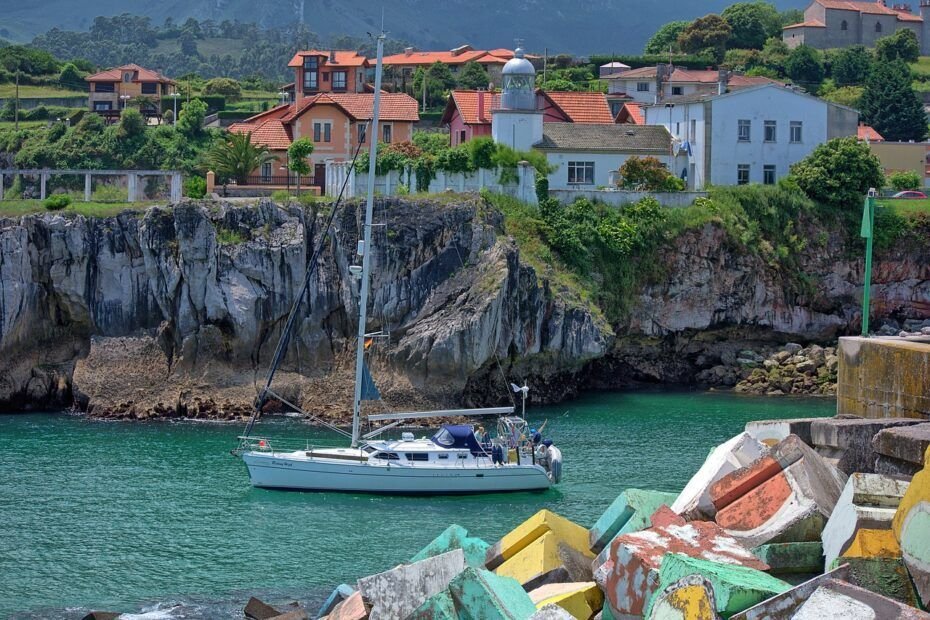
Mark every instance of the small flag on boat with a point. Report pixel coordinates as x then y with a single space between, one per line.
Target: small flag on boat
369 389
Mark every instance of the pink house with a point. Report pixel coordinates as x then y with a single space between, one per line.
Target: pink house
468 112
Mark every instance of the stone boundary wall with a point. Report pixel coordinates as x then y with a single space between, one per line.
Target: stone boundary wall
884 377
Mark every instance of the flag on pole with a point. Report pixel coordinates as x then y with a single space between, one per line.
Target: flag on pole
866 231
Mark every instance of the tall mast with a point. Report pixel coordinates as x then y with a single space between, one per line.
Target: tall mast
366 247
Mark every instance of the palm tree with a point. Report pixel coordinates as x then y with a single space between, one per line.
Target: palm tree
236 157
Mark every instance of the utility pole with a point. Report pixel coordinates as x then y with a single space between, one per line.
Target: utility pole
868 226
16 106
545 62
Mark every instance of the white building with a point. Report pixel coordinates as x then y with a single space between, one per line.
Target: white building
751 135
652 84
588 156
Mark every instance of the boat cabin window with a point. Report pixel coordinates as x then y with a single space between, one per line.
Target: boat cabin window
417 456
442 456
387 456
444 437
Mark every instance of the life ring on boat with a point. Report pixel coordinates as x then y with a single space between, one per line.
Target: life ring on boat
555 464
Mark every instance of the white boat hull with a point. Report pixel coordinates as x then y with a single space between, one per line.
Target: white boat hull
284 471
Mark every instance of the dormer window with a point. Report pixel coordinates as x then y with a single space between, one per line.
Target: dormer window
127 76
311 62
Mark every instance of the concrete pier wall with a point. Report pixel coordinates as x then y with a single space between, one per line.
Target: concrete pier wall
884 377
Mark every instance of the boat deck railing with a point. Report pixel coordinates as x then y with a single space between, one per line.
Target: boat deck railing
273 445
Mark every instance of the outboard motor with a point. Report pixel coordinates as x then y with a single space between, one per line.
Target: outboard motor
555 464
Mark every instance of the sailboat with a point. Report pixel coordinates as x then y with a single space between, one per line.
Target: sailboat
458 458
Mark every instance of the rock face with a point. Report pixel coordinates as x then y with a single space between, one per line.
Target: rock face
195 297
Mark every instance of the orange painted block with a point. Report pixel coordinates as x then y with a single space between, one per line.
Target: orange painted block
736 484
758 506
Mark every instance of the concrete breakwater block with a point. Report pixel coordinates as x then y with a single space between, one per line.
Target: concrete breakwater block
885 576
437 607
456 537
689 598
735 587
398 592
630 576
694 501
630 512
791 558
842 600
868 502
785 604
873 544
553 612
900 450
257 609
911 526
580 600
524 534
770 432
846 443
339 594
883 378
353 608
539 563
481 595
786 496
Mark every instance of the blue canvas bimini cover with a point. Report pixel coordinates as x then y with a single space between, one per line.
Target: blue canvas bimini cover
460 436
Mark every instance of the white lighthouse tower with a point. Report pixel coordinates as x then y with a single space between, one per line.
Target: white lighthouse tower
518 123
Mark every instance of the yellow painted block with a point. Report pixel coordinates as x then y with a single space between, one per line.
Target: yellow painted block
873 544
582 600
536 563
690 602
918 491
530 530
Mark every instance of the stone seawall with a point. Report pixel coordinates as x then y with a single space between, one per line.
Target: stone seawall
884 377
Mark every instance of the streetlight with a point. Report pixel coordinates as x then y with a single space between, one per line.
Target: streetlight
175 96
283 96
123 100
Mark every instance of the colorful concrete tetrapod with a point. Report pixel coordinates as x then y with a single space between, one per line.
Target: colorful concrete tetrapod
581 600
437 607
791 558
341 593
397 592
846 443
911 527
537 564
844 601
353 608
786 496
481 595
868 502
456 537
630 576
900 450
885 576
694 501
521 536
630 512
735 587
689 598
782 606
552 612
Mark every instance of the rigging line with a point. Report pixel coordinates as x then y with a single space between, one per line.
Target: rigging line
309 415
311 268
497 359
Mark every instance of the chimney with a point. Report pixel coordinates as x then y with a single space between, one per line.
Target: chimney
408 51
662 72
481 105
332 57
723 80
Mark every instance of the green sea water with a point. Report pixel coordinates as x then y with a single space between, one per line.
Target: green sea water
160 518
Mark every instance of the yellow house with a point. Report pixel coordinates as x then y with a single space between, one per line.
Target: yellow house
112 90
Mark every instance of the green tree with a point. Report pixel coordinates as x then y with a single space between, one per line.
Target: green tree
902 45
790 16
708 33
298 158
237 157
131 123
71 77
752 23
904 180
438 82
839 173
666 37
774 55
742 60
191 116
851 65
805 67
648 173
846 95
890 105
227 87
473 76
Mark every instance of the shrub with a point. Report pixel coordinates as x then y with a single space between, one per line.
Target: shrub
15 191
195 187
648 173
307 199
542 187
839 173
227 87
110 193
281 197
57 202
904 180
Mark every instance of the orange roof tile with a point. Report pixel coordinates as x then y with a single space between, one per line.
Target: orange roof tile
811 23
346 58
428 58
868 134
466 101
869 8
116 75
695 76
394 106
581 107
631 112
271 133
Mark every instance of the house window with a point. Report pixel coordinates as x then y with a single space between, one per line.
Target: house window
326 76
677 128
266 172
878 26
103 105
768 174
581 172
386 134
692 136
796 132
770 131
339 80
743 128
149 88
676 90
105 87
327 132
462 136
362 132
642 87
322 132
844 25
742 174
311 73
127 77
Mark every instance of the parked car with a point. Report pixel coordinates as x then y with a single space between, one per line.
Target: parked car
910 194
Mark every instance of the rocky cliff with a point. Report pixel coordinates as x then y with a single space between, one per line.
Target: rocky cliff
176 311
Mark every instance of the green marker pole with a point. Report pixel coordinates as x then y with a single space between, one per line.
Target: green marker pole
868 224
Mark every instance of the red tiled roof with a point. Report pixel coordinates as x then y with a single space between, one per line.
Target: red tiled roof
466 101
868 134
428 58
116 75
345 58
869 8
695 76
581 107
632 113
271 133
811 23
394 106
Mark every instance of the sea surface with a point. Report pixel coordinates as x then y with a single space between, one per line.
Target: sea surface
158 519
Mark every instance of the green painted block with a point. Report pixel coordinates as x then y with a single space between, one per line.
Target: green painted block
437 607
606 614
630 512
455 537
793 557
886 576
481 595
735 587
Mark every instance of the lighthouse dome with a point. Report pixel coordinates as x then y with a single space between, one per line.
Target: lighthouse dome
519 83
